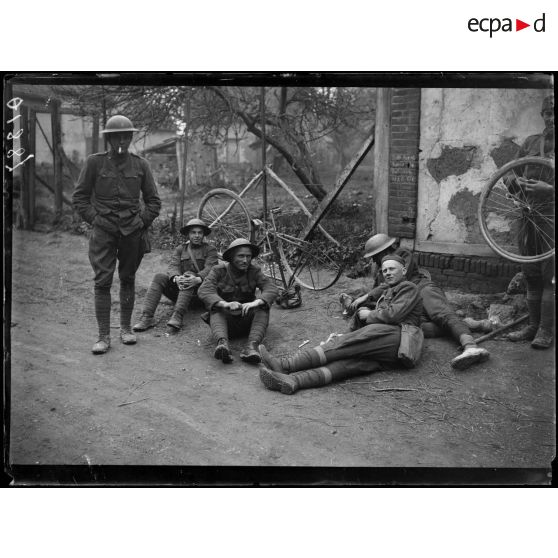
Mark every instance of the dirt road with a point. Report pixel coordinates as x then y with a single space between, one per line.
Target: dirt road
167 401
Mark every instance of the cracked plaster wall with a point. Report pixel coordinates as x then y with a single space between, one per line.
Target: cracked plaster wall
464 135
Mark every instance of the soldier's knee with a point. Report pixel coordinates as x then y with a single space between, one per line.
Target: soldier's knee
161 279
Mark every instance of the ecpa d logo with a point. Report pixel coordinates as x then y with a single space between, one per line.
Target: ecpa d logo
492 25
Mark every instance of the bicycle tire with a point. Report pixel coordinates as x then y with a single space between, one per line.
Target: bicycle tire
307 264
227 215
505 211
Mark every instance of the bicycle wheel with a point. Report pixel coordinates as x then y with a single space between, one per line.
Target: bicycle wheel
308 263
227 215
516 224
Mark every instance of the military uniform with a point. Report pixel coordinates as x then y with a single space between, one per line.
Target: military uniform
107 196
225 283
539 275
374 346
186 258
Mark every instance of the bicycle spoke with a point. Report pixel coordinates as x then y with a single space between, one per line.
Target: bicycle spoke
519 224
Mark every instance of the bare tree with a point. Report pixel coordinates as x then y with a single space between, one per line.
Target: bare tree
296 117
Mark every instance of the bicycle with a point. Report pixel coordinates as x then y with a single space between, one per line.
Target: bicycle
508 213
291 261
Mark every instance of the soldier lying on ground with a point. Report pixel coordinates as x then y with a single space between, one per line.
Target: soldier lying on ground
390 338
107 196
438 317
229 294
190 264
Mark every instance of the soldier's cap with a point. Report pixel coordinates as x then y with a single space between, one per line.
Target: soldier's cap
195 223
239 243
395 258
548 103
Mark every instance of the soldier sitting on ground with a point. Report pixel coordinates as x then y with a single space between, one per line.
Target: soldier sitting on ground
190 264
438 317
229 294
390 338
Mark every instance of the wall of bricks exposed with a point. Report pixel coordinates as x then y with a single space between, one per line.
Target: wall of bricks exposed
403 162
470 274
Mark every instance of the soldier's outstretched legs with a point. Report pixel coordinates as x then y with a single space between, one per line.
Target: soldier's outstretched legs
316 377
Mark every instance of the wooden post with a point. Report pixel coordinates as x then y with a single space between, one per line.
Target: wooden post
56 126
264 145
184 159
179 160
24 191
381 159
31 163
95 135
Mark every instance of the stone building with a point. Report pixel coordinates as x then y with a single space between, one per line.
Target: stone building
435 150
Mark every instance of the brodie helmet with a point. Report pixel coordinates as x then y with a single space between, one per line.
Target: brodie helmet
195 223
377 243
237 243
118 123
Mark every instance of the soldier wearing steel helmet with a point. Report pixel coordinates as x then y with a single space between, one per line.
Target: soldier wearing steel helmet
389 338
190 264
229 294
438 317
108 196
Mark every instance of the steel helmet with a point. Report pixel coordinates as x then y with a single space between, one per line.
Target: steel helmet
227 254
195 223
377 243
118 123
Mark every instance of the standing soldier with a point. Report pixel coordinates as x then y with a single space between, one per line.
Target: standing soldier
189 266
538 276
229 294
107 196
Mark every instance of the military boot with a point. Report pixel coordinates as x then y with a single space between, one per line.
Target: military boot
127 337
222 351
145 323
250 353
543 339
180 307
529 332
526 333
471 354
291 383
101 346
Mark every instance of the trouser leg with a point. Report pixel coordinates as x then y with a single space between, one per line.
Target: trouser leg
375 342
220 328
545 332
183 299
102 310
154 293
534 281
129 258
317 377
219 325
102 256
258 327
439 311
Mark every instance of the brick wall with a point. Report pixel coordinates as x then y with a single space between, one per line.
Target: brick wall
468 273
403 162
